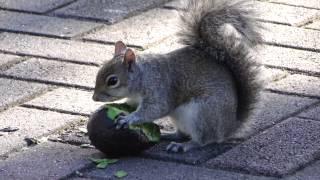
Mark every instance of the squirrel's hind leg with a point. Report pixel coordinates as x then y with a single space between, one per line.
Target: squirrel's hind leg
206 120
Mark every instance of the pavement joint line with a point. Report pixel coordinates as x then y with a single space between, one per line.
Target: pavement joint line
264 130
25 99
81 35
18 60
305 118
60 6
291 93
292 47
20 11
54 83
30 106
294 70
53 15
273 22
300 6
109 43
51 58
294 114
54 131
34 34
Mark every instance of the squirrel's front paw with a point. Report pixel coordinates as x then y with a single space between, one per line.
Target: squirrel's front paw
175 147
123 122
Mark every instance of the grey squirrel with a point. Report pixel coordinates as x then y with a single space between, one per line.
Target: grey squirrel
208 88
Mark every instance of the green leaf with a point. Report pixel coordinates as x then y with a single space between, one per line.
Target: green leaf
111 161
102 165
121 174
97 161
151 130
113 112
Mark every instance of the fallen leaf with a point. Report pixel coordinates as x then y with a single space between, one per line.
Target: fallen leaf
121 174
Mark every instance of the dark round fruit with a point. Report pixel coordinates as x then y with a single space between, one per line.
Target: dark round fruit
113 142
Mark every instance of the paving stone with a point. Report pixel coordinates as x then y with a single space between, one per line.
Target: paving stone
166 46
7 60
314 25
44 25
282 13
157 170
304 3
143 30
55 71
272 75
291 36
55 48
293 59
309 173
14 92
277 152
108 11
38 6
73 100
301 84
31 123
45 161
275 107
193 157
312 113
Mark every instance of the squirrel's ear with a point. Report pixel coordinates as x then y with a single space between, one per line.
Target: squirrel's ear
119 48
129 58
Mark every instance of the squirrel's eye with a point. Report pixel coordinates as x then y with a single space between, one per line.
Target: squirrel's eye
112 81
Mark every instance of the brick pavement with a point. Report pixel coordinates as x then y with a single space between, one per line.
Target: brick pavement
50 52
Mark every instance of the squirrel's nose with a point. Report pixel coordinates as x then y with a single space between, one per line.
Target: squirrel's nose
95 97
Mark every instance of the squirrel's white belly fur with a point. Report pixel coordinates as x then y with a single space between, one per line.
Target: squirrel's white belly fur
184 115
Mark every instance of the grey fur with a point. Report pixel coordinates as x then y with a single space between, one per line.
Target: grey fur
208 87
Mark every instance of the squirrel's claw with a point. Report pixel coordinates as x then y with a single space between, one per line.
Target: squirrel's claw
174 147
122 123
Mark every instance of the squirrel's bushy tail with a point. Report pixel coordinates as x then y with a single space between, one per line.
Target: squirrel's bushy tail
227 26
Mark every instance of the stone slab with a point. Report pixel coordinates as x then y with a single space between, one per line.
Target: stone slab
157 170
193 157
304 3
15 92
7 60
292 59
309 173
72 100
55 48
44 25
291 36
274 108
282 13
55 71
45 161
38 6
31 123
311 113
168 45
108 11
278 151
299 84
142 30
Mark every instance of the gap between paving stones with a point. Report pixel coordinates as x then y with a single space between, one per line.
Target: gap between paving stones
60 6
288 4
53 83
